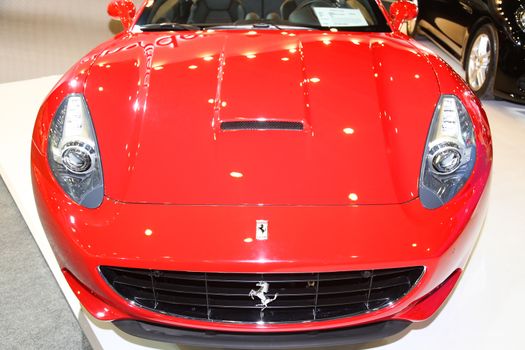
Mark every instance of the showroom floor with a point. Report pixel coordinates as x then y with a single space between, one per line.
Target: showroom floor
35 314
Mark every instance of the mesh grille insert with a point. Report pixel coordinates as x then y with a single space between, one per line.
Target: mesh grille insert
261 125
232 297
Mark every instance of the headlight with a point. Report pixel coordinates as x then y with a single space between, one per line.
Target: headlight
450 153
520 17
73 152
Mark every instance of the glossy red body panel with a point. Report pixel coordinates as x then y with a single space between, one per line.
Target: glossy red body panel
423 308
174 131
161 149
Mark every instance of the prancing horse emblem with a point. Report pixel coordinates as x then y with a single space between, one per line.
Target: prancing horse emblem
261 294
261 230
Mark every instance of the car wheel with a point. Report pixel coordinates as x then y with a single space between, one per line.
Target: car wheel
480 61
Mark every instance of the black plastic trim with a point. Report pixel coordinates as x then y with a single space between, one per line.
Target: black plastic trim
226 297
259 341
261 125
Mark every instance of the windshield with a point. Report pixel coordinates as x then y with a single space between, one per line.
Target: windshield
351 15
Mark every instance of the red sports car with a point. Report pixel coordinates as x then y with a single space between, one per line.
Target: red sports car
261 173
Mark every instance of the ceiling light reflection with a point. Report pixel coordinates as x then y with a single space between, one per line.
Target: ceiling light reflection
353 197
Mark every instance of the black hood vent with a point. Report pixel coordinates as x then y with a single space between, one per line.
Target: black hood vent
261 125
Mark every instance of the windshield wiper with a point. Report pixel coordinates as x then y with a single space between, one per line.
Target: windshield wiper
265 25
246 25
158 27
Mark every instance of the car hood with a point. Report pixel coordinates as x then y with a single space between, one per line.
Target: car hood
365 103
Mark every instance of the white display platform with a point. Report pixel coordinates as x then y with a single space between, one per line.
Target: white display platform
484 312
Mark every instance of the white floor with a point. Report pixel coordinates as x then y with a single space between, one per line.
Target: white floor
484 312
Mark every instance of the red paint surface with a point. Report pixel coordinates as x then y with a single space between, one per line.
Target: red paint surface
161 149
430 303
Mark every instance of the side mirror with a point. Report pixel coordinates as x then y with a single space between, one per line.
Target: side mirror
402 11
124 10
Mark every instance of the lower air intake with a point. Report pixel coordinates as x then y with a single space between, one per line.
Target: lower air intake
250 298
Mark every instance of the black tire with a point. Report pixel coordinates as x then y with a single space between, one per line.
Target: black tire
483 88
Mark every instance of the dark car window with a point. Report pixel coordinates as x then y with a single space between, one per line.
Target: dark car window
354 15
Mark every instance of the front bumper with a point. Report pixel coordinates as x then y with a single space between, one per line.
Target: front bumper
367 332
255 341
214 239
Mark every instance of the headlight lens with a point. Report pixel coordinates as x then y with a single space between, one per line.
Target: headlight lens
450 153
520 17
73 152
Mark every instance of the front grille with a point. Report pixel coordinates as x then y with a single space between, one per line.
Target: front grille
232 297
261 125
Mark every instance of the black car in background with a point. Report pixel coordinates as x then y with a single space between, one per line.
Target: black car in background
487 36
